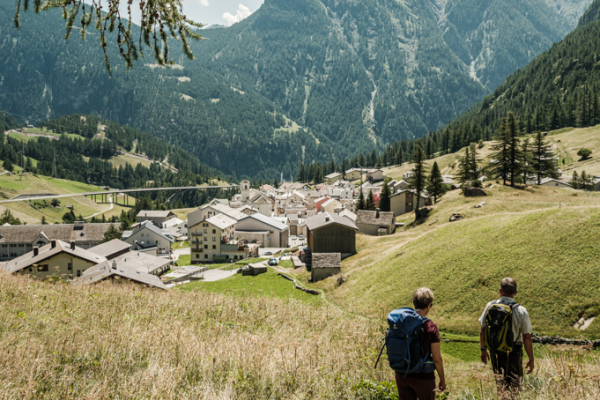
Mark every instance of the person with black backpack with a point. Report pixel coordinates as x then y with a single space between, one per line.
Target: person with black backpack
505 329
413 349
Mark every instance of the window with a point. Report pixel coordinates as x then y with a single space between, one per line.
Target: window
214 239
78 273
206 246
214 231
142 235
214 246
70 267
206 256
43 268
197 255
205 231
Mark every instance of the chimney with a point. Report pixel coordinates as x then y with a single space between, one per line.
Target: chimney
114 265
326 219
72 245
36 251
53 244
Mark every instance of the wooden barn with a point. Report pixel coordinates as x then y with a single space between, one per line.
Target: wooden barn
331 233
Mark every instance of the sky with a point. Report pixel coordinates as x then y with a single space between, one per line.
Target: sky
211 12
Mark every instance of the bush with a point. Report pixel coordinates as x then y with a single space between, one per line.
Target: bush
584 153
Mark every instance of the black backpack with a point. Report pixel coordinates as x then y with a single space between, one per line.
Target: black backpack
498 332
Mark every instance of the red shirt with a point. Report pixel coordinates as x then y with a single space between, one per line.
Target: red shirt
431 334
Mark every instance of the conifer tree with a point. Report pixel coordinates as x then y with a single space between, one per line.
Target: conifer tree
464 167
318 176
360 204
419 179
505 161
110 234
435 183
584 181
370 201
525 161
44 222
384 198
301 177
542 158
399 158
575 180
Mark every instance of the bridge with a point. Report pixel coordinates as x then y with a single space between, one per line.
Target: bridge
105 193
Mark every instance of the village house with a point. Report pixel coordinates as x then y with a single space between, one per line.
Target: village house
375 223
555 183
342 184
301 187
58 258
375 175
266 230
17 240
325 265
111 249
140 261
399 186
147 237
348 214
207 237
354 174
331 233
331 206
319 203
405 201
118 273
333 178
208 211
157 217
175 227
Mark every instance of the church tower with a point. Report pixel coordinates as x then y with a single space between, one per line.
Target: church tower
245 188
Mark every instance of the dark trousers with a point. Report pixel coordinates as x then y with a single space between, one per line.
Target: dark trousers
412 389
508 368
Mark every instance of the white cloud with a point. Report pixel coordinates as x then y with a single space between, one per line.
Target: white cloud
203 2
242 13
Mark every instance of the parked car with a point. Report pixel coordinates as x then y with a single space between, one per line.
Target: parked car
301 237
268 253
294 237
273 262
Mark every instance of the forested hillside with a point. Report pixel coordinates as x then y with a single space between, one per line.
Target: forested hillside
592 14
296 82
559 88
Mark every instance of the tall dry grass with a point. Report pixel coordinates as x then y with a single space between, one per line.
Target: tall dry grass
120 341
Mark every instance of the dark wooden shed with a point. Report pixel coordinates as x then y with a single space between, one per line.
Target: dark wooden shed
331 233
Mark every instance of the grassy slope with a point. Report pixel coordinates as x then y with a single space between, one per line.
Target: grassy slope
11 186
522 233
269 284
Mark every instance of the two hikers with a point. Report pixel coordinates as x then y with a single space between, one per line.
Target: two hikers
414 353
505 330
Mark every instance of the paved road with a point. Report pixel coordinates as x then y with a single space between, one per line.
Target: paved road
181 252
213 275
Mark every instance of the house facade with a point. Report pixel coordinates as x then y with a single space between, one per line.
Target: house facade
375 223
157 217
147 237
405 201
208 237
266 230
331 233
333 178
354 174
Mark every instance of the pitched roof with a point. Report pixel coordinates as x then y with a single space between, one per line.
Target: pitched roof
548 180
348 214
137 260
67 232
266 220
324 219
110 248
105 270
47 251
149 225
366 217
328 202
334 175
326 260
155 214
221 221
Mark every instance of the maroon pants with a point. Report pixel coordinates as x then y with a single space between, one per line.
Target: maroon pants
412 389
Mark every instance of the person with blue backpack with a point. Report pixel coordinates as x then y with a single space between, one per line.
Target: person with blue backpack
413 349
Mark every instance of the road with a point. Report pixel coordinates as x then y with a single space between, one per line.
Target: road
181 252
102 212
104 192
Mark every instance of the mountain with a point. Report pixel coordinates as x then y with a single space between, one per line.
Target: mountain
592 14
297 81
560 88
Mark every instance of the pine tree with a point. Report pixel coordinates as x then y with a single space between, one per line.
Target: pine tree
542 158
276 184
44 222
110 234
435 183
575 180
584 181
370 201
525 161
399 158
508 152
360 204
419 179
384 198
464 167
301 177
318 176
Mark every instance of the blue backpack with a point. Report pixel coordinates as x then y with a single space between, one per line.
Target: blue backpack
404 342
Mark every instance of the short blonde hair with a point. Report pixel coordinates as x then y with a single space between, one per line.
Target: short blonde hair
422 298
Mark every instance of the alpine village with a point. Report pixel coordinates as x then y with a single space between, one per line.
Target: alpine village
300 199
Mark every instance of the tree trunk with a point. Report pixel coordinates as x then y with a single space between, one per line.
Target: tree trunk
417 214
